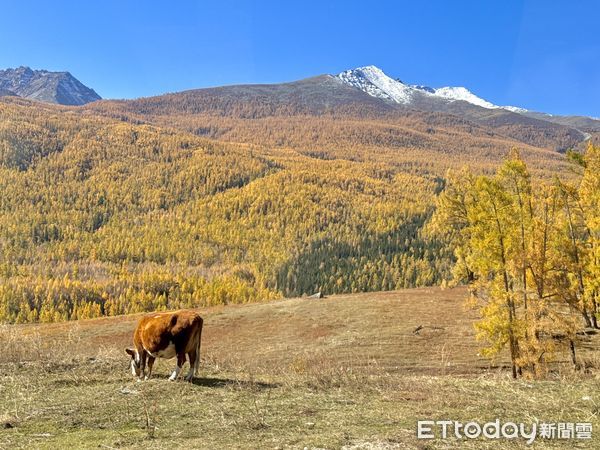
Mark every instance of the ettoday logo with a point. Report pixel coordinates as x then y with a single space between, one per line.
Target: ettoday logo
445 429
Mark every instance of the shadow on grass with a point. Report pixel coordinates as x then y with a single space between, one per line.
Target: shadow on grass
225 382
222 382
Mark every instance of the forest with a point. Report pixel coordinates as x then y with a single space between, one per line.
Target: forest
106 215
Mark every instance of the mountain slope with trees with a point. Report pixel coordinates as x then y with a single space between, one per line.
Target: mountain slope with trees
124 210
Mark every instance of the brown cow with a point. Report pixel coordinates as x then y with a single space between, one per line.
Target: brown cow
165 335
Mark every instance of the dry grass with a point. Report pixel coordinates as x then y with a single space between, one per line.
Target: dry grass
346 371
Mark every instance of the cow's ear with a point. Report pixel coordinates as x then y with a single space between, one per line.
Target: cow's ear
130 351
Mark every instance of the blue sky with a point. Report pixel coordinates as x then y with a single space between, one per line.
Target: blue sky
542 55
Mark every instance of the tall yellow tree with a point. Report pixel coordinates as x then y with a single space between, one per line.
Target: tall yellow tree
589 197
532 255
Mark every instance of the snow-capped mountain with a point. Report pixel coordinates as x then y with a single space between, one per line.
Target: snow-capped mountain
461 93
375 82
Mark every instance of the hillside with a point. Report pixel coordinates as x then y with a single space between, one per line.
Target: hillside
261 337
124 216
586 124
319 373
358 94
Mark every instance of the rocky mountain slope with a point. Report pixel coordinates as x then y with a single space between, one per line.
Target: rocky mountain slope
52 87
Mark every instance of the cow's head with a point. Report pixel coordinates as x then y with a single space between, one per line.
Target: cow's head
135 361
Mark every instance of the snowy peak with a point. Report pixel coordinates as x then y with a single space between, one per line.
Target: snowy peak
461 93
375 82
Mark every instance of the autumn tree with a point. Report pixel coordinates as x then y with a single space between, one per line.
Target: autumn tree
530 251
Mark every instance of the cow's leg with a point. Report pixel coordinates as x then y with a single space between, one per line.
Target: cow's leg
143 356
180 363
193 364
151 360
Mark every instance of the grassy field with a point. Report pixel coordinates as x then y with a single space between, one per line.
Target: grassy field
347 371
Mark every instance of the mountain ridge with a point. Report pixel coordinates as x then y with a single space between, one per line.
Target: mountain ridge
363 92
374 81
60 88
370 80
329 95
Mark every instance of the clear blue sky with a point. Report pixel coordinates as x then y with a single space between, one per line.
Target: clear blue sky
539 54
